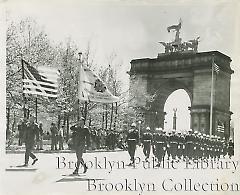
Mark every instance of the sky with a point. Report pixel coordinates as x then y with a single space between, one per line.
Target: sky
179 100
132 29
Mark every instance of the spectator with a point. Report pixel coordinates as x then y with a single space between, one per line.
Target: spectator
40 138
54 133
20 133
61 138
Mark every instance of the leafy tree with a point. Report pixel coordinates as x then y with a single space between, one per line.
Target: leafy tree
24 40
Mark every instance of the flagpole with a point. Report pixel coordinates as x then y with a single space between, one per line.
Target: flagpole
23 95
211 103
78 112
78 102
36 108
85 111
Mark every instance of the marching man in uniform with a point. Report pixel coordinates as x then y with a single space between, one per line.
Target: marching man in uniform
132 140
173 145
147 140
189 145
180 147
30 135
160 144
230 148
81 137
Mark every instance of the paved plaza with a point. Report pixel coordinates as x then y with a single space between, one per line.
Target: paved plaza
108 172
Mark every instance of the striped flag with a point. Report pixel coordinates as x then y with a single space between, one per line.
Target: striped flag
216 68
91 88
220 127
41 81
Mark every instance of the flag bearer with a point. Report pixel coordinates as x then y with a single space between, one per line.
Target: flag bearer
81 138
30 135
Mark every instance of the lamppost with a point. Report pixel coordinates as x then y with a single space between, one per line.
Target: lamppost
79 69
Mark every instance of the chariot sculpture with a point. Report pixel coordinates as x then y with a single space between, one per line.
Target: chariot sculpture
177 45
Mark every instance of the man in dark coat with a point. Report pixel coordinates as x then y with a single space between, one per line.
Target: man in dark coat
132 141
30 134
39 137
81 137
54 133
21 129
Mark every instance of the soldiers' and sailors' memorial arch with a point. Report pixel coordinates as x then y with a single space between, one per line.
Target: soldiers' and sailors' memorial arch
205 76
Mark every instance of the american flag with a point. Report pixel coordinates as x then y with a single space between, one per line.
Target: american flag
216 68
220 127
41 81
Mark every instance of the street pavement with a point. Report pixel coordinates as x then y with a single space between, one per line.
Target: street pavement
108 173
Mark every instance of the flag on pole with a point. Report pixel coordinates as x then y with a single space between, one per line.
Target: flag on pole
220 127
216 68
91 88
41 81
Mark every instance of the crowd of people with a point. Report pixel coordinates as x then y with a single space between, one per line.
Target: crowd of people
178 145
173 145
58 140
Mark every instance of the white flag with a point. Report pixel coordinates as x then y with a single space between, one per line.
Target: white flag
91 88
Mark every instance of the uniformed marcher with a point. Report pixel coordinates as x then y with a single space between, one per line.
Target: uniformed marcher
184 153
181 146
212 148
216 147
225 147
189 145
173 145
81 138
199 151
195 145
208 150
132 141
147 141
29 137
219 147
160 145
168 149
230 148
204 146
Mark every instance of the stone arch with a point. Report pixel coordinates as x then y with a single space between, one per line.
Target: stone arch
179 99
156 115
189 71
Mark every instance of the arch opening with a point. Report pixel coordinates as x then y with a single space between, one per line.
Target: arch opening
178 102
